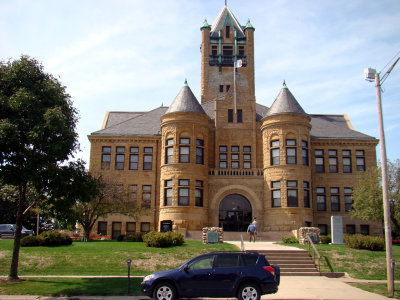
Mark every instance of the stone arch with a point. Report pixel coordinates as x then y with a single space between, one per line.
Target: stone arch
214 203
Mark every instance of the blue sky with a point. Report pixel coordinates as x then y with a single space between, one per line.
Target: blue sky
135 55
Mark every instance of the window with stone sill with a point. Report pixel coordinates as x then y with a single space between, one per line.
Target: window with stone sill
183 192
321 199
360 160
346 159
319 161
292 195
275 152
276 193
335 199
105 157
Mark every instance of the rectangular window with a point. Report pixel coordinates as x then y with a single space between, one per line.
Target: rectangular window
304 152
214 50
360 160
228 87
227 31
333 161
199 193
319 161
348 199
130 227
276 193
321 199
241 50
183 191
102 228
239 116
167 192
199 152
247 157
105 157
145 227
235 160
291 156
148 158
230 115
323 229
221 88
335 199
169 151
275 153
116 230
292 199
235 148
120 158
346 154
227 50
306 193
184 154
351 229
223 157
146 196
133 161
132 193
364 229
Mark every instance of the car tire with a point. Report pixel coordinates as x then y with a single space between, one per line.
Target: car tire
249 291
164 291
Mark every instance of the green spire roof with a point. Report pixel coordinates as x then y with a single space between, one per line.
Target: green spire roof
205 25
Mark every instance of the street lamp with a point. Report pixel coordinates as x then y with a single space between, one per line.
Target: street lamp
372 75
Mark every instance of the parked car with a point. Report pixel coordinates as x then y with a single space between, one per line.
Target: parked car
7 231
245 275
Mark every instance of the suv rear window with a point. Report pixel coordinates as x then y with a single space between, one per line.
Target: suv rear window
249 260
227 261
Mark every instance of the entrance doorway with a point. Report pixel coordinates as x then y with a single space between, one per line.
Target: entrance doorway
235 213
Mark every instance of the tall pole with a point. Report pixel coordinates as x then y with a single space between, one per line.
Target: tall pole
386 206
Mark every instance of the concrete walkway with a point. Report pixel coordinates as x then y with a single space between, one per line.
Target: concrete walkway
291 287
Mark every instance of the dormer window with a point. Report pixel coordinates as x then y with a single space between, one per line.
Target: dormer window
228 31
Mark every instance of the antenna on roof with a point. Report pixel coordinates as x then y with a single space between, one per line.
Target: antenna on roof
226 2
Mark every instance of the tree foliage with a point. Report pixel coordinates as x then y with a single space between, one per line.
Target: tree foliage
37 135
368 199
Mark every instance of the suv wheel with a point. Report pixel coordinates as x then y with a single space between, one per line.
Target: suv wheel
164 291
249 291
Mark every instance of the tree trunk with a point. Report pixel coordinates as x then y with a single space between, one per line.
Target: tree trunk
17 234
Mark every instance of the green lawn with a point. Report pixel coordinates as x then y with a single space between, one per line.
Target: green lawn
101 258
362 264
71 287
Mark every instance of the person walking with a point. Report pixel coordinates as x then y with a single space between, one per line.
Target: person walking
255 225
252 230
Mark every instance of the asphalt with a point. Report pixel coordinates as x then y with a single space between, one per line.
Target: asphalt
291 287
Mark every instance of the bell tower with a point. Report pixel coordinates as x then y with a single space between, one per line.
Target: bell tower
223 43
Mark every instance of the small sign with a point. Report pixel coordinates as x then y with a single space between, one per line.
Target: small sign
212 237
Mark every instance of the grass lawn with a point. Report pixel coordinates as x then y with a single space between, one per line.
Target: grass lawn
101 258
379 288
71 287
362 264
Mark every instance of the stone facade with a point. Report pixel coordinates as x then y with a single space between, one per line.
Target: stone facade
223 160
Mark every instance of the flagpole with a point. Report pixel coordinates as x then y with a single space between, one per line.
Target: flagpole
234 82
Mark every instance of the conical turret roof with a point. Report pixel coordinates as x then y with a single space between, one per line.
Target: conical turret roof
185 101
226 18
285 102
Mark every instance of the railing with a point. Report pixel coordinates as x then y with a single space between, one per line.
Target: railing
315 254
226 60
233 172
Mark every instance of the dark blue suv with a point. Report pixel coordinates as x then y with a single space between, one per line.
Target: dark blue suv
245 275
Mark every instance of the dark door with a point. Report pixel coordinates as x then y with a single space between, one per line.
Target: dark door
116 230
235 213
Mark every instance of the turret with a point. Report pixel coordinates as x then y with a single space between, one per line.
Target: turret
184 163
287 172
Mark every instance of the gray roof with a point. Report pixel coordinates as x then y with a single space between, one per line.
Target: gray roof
334 127
226 18
146 124
285 102
185 101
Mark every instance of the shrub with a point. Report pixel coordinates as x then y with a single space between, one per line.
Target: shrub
358 241
29 241
325 239
163 239
290 240
134 237
54 238
121 238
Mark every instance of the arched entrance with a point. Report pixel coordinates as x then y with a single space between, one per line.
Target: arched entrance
234 213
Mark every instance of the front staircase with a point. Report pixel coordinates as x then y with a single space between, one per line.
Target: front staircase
292 262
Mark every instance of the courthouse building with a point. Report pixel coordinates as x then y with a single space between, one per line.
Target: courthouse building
223 159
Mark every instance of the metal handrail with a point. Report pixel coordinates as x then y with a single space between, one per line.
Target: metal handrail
315 251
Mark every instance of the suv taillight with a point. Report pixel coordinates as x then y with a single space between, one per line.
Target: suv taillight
270 269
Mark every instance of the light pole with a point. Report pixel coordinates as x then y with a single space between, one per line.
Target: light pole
372 75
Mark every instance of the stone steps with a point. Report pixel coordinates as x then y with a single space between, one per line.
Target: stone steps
292 262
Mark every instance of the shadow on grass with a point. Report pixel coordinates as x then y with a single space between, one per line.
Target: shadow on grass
72 287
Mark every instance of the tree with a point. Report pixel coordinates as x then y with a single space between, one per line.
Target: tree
37 135
368 199
103 199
